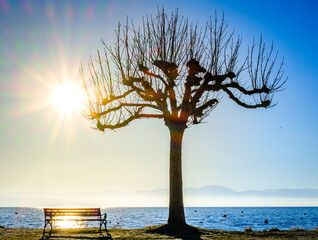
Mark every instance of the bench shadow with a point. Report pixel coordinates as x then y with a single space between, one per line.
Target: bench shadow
102 237
183 232
73 237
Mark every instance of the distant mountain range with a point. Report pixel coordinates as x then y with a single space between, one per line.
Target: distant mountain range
207 195
228 192
220 191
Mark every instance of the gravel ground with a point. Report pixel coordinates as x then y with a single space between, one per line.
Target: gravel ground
155 232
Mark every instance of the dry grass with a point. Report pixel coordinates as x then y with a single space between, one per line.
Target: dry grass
155 232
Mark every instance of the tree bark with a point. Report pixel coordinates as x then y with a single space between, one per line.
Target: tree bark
176 209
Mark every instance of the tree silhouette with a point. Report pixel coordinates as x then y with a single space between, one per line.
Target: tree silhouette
173 70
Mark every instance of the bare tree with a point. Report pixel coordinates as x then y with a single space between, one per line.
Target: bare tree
173 70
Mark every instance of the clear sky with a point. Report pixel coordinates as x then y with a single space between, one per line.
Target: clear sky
44 149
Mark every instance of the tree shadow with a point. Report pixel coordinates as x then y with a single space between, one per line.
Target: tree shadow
183 232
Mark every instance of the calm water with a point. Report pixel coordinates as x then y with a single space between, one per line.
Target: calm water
238 218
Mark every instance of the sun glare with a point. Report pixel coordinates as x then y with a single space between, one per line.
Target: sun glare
68 224
67 97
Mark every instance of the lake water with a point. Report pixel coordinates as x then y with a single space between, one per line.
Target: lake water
237 218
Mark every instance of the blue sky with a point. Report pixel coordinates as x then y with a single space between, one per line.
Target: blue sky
42 44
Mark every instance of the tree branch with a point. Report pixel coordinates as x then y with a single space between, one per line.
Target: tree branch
236 85
145 70
150 116
198 112
263 104
113 98
95 115
102 127
208 78
124 123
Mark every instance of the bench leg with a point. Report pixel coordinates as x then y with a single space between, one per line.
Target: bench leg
105 227
105 224
46 223
44 230
51 228
101 224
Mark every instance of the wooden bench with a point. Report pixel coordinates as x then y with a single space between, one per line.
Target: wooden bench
52 215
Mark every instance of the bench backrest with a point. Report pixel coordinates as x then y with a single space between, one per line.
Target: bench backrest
59 213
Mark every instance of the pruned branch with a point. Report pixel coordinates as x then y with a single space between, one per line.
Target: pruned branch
171 69
263 104
237 86
112 98
95 115
124 123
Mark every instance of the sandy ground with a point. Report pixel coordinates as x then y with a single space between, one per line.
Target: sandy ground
155 232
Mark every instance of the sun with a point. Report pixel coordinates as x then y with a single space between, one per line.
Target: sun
67 97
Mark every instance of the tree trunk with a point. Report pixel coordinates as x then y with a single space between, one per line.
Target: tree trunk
176 210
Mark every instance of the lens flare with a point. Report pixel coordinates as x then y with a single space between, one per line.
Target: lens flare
39 65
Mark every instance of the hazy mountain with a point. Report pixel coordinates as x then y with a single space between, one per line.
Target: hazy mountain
202 196
210 191
294 193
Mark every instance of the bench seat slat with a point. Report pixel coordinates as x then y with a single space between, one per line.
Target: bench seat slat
85 212
71 211
75 220
75 209
73 214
